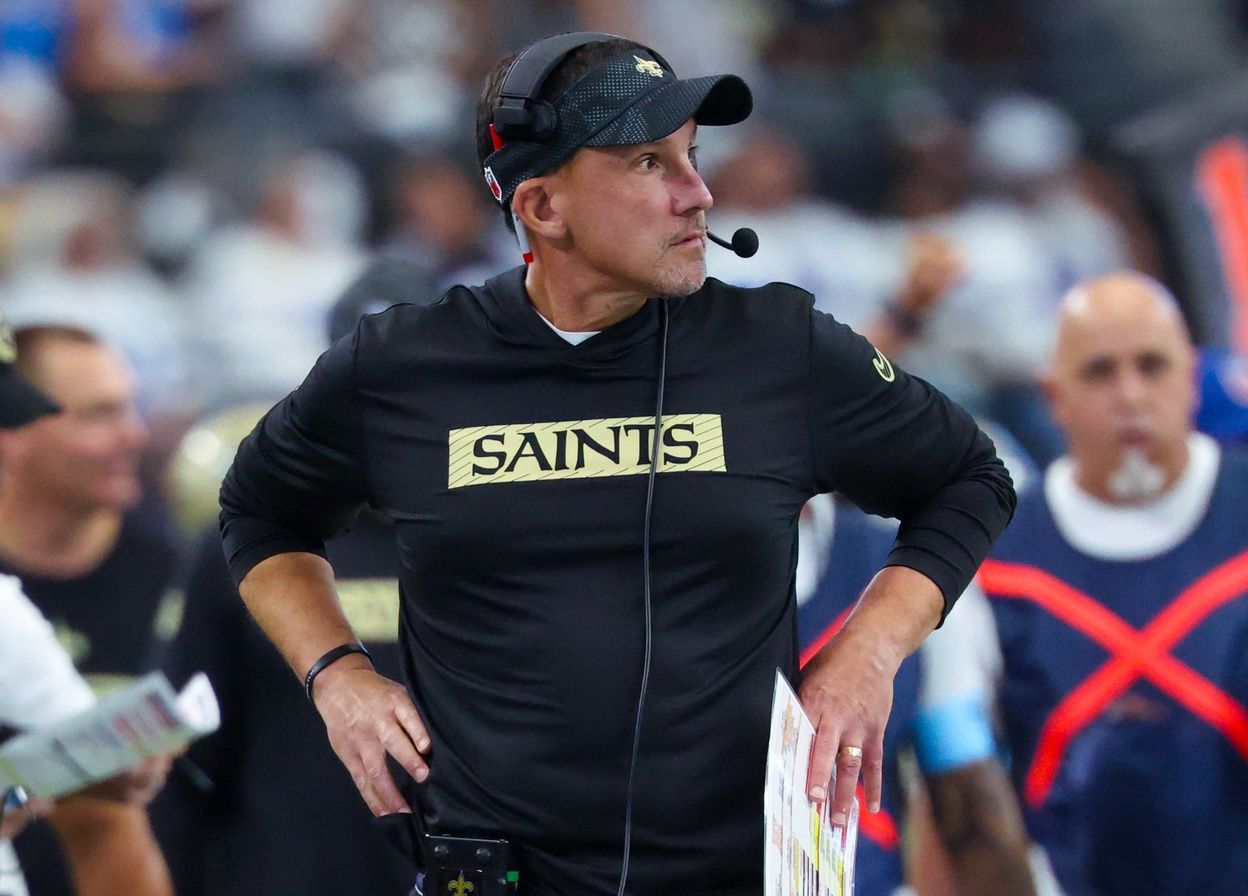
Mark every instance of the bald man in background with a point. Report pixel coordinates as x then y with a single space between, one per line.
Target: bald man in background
1119 598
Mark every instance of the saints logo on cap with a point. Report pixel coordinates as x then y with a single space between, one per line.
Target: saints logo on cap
8 348
649 67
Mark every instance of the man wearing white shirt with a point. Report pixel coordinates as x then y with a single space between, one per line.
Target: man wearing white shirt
38 685
1120 601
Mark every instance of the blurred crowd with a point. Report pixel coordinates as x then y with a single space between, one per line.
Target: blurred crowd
199 182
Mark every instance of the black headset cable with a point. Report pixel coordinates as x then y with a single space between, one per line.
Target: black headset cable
646 590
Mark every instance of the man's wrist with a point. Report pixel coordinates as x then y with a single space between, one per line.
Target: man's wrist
897 611
344 656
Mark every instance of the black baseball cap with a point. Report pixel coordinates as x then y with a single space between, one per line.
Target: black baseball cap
20 402
630 99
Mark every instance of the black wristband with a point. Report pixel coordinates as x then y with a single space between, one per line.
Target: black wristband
330 656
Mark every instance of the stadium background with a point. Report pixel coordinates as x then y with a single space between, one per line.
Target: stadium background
200 180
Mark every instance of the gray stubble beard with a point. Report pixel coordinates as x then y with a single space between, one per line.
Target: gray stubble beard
679 284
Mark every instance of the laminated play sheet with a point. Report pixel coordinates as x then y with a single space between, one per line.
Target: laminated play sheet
804 855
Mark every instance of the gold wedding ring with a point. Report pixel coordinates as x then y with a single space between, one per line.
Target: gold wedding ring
850 752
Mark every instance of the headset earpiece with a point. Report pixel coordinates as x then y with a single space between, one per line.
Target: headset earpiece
520 119
520 115
545 123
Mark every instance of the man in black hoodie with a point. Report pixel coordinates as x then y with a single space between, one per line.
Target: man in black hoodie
595 464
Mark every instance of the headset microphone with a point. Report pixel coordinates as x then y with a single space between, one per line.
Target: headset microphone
744 242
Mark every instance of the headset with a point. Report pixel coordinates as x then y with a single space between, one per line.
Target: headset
521 115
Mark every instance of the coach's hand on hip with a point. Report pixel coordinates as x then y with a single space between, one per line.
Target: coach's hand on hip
292 597
847 688
367 717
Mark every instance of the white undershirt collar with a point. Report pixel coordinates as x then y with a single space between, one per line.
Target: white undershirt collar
1139 531
573 336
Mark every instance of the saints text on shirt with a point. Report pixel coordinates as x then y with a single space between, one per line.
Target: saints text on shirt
580 449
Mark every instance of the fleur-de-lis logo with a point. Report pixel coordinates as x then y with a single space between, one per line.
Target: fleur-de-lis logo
461 887
649 67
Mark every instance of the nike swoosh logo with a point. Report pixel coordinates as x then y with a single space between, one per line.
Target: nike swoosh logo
883 367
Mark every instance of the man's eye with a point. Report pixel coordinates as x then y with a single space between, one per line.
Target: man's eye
648 162
693 157
1154 364
1097 370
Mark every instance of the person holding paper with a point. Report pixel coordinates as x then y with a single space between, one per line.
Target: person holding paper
596 464
103 831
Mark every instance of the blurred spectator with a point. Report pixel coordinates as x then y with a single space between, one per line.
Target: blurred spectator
94 562
444 222
173 215
1027 150
1104 60
279 37
76 265
117 48
1120 599
813 94
869 276
391 278
260 292
38 686
33 110
987 341
73 524
284 88
398 51
131 68
32 115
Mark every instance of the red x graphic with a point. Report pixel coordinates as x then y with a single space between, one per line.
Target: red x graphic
1135 654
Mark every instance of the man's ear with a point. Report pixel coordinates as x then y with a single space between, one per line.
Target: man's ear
1192 360
1053 396
533 206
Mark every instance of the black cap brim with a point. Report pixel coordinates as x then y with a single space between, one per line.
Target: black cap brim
712 100
20 402
628 100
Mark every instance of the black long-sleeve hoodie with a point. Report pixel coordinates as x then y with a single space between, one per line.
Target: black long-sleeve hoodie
514 465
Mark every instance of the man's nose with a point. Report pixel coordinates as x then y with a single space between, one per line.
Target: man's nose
1132 389
134 433
691 193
